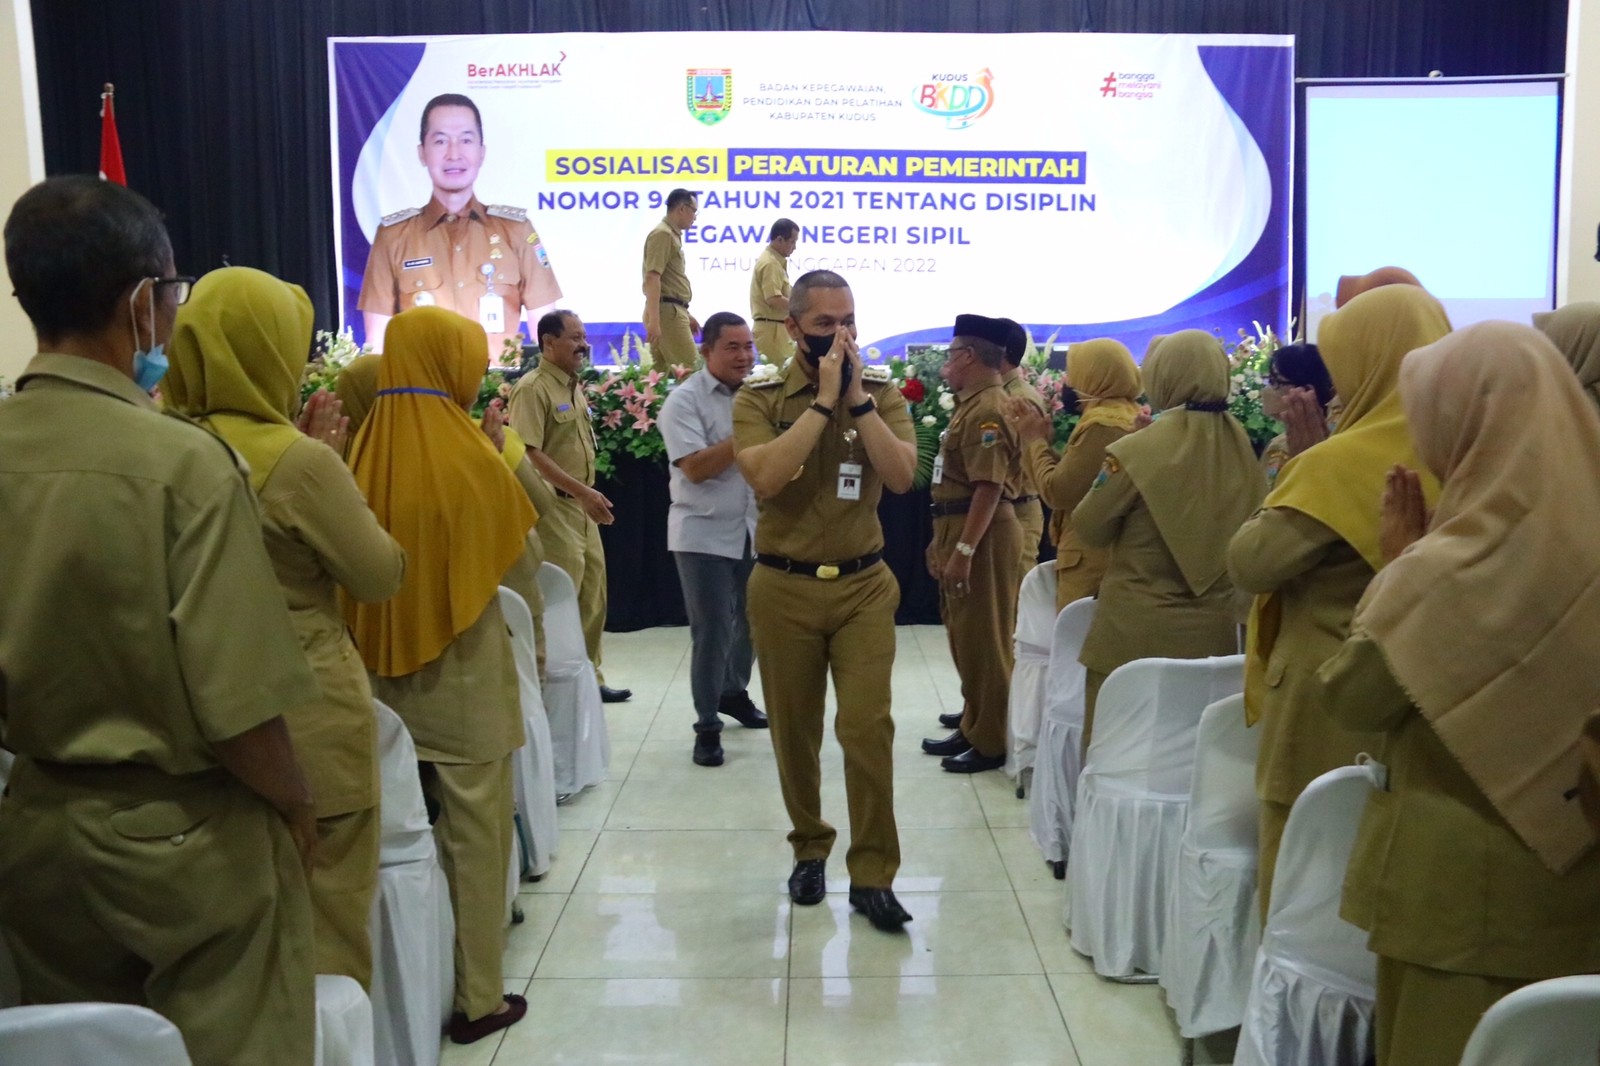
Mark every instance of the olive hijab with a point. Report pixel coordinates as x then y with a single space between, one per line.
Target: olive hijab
1193 466
1104 375
239 348
440 489
1575 330
355 386
1488 621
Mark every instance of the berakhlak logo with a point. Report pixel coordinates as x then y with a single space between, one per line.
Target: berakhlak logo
1108 87
959 99
709 94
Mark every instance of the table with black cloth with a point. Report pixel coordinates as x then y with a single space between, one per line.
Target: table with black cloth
642 579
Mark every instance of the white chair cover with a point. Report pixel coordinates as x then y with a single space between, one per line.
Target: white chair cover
1311 996
1133 797
344 1023
1551 1023
533 765
413 928
1213 928
89 1034
579 743
1054 793
1036 617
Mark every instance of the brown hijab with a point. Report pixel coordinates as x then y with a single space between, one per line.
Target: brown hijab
1353 285
1488 621
1575 330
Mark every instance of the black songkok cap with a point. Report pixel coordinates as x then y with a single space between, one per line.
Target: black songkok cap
994 330
1016 341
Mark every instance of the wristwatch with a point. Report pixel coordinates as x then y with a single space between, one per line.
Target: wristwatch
822 409
866 407
966 549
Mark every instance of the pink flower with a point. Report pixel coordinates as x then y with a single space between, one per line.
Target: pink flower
612 420
1056 404
628 392
679 371
653 378
643 423
649 394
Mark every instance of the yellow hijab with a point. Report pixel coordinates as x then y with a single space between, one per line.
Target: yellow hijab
238 350
1488 621
1575 330
437 485
1339 482
1107 380
354 387
1194 468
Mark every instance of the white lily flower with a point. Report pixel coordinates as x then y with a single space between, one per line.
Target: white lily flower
929 420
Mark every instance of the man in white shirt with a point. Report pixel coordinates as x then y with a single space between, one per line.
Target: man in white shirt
710 529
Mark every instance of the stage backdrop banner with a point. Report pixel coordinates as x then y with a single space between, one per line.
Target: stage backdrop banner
1085 184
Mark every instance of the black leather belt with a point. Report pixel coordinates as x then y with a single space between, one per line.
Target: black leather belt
950 507
1020 500
674 300
821 571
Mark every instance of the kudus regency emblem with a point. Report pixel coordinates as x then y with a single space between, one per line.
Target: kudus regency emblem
959 99
709 95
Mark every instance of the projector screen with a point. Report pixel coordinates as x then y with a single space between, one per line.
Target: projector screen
1454 181
1083 184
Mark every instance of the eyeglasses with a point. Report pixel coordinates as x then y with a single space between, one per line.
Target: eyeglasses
960 348
182 286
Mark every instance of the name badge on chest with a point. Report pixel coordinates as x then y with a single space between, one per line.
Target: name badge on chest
492 313
849 481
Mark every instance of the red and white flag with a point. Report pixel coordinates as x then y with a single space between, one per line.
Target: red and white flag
110 144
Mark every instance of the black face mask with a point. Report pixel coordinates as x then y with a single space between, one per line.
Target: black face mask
818 345
1069 399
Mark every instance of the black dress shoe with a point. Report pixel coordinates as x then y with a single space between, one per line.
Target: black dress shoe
708 749
880 907
954 744
972 761
951 720
615 695
808 885
738 706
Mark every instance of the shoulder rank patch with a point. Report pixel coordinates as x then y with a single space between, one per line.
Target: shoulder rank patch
989 434
515 214
875 374
764 383
1107 468
401 216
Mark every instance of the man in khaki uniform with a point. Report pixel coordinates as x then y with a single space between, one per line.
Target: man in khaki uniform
486 262
551 415
669 328
769 292
975 544
1024 495
156 824
818 443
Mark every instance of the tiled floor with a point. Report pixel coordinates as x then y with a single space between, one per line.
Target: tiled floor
664 934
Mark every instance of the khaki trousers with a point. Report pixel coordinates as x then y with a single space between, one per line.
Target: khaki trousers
773 341
979 626
344 877
572 541
1030 517
1092 680
473 833
1273 817
1424 1017
676 346
804 629
122 884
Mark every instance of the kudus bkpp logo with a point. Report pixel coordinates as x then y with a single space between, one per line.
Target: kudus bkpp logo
959 99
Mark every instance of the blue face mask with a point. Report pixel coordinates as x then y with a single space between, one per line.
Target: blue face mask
149 364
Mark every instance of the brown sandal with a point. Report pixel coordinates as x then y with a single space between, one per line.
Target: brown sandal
465 1032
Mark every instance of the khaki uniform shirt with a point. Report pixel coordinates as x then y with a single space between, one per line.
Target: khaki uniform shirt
549 412
1437 877
663 254
1015 384
1063 481
321 535
1146 608
140 620
980 445
807 521
429 257
770 278
1318 579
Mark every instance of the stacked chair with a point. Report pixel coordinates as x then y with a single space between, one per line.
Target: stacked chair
581 748
1054 788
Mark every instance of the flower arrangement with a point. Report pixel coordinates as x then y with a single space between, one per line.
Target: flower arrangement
1249 359
330 353
625 402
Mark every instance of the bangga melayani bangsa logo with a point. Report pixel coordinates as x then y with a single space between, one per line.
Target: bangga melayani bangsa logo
959 99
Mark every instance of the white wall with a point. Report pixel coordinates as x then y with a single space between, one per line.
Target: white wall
1577 272
21 164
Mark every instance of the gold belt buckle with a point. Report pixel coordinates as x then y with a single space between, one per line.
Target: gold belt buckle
827 572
